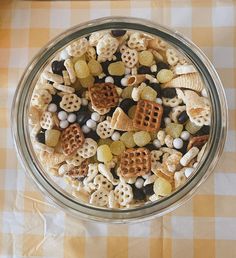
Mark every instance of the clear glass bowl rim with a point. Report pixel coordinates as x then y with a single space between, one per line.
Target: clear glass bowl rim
162 206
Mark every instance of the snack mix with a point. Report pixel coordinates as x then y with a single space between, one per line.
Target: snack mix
122 117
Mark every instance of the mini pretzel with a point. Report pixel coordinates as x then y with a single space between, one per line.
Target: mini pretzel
173 102
88 149
104 129
137 41
107 46
46 120
123 193
101 181
129 57
103 95
148 116
78 47
135 162
70 102
99 197
71 139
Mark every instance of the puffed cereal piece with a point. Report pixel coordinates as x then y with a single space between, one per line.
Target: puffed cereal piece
95 37
190 155
173 102
99 197
70 102
123 193
102 181
92 172
136 92
150 180
46 120
157 44
161 136
137 41
107 46
91 53
129 57
173 162
169 141
104 129
78 47
70 69
75 159
88 149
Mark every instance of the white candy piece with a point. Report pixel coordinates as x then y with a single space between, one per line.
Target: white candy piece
115 136
127 70
62 115
85 129
178 143
109 79
188 172
185 135
84 102
184 69
153 68
204 93
159 101
167 120
91 123
124 81
64 124
191 154
95 116
71 118
52 107
157 143
139 183
64 55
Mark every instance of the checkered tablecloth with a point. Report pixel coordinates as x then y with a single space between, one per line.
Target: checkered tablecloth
205 227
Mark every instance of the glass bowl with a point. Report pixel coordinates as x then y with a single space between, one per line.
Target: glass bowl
166 204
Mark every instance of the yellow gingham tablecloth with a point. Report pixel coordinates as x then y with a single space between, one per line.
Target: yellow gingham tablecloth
29 227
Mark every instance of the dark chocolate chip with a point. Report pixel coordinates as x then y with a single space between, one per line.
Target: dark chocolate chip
157 88
148 189
92 134
113 171
118 33
117 80
58 67
118 56
110 113
169 93
41 137
150 147
138 193
83 115
204 130
144 70
126 104
105 66
183 117
162 65
166 111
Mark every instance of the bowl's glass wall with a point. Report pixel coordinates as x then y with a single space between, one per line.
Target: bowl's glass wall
67 201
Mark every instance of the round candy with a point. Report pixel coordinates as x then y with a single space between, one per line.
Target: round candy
64 124
85 129
139 183
91 123
167 120
95 116
84 102
188 172
109 79
71 118
62 115
159 101
52 107
185 135
178 143
82 116
157 143
124 81
58 67
183 117
115 136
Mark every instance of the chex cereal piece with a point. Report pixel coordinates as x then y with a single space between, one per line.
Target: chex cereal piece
75 159
70 102
71 139
104 129
70 69
41 98
173 102
190 81
102 181
103 95
88 149
120 121
129 57
52 77
78 47
78 172
148 116
172 57
46 120
107 46
137 41
135 162
197 141
99 197
63 88
34 115
123 193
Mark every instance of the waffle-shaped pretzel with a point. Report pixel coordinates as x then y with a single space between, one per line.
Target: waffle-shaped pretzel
103 95
78 172
46 120
129 57
135 162
137 41
123 193
104 129
70 102
148 116
78 47
88 149
71 139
